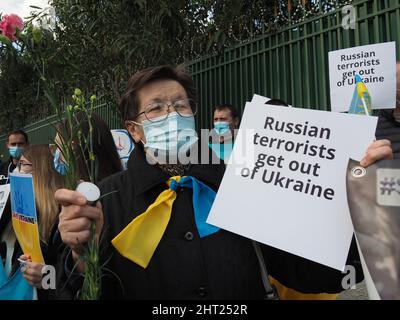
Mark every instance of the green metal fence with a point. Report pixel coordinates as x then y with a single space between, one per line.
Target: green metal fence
291 64
44 131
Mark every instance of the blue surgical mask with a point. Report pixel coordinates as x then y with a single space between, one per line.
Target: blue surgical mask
15 152
59 165
173 136
221 127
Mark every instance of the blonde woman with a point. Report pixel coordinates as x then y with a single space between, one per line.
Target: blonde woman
39 160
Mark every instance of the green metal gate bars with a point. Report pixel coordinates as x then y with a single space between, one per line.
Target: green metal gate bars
291 64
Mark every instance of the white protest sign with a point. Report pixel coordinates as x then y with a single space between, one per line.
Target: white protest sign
261 99
290 193
376 65
4 193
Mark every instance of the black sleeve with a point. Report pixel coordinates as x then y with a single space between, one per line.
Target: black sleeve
307 276
68 283
5 218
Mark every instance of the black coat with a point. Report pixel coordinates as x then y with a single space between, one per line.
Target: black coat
184 266
389 128
52 254
6 216
4 167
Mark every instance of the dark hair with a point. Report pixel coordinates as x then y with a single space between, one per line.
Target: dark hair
277 102
21 132
104 148
129 103
234 113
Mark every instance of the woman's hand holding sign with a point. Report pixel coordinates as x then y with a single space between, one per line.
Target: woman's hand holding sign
32 271
378 150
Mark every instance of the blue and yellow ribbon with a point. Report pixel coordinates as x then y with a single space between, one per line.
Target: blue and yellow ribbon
140 238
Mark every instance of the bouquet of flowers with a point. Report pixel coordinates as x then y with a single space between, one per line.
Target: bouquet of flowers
74 143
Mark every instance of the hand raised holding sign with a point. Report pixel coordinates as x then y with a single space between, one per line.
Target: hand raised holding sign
378 150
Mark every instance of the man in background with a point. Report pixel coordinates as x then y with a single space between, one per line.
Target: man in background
17 140
226 120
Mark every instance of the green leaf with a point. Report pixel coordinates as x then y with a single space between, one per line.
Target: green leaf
37 35
5 40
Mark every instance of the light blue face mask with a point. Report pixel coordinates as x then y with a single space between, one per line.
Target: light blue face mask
59 165
15 152
221 127
173 136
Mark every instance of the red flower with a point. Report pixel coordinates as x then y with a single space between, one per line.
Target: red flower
9 25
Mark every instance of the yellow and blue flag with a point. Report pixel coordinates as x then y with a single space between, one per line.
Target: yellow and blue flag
24 217
361 102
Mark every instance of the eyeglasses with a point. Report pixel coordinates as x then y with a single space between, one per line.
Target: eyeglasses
159 111
22 164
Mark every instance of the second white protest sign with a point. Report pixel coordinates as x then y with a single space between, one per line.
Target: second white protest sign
376 64
289 189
